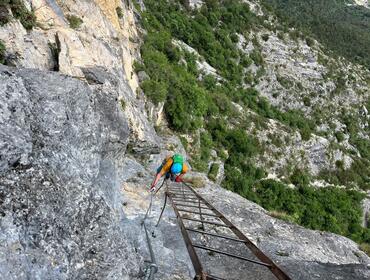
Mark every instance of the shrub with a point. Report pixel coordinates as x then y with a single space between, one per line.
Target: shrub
155 90
299 178
4 13
212 174
197 182
19 11
265 37
282 216
365 247
285 82
309 41
234 38
2 52
307 101
122 103
74 21
119 12
340 136
257 57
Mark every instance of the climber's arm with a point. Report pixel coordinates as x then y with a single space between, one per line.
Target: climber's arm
163 169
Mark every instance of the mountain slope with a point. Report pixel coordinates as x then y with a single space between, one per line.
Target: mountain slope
78 148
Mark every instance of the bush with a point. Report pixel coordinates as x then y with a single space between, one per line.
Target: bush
74 21
213 171
285 82
2 52
329 209
4 13
365 247
310 42
19 11
340 136
282 216
155 90
342 28
307 101
257 57
299 178
119 12
265 37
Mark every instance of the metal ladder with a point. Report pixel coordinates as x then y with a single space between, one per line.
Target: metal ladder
187 203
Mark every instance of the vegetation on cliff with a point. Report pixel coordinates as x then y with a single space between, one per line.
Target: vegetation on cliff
208 104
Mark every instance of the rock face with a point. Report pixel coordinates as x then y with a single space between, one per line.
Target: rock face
78 151
302 253
61 143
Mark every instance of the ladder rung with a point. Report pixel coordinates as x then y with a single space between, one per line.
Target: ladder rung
212 277
186 200
198 213
204 221
183 195
217 235
230 255
193 206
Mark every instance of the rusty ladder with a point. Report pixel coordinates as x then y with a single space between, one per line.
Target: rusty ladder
184 197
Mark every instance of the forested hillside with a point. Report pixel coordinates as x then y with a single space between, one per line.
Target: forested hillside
341 27
220 114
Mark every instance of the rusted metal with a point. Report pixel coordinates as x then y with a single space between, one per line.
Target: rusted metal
206 222
279 273
229 254
179 196
192 253
216 235
198 213
192 206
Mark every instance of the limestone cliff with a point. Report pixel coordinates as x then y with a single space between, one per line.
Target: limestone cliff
78 151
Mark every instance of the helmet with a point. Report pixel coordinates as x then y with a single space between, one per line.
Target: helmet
176 168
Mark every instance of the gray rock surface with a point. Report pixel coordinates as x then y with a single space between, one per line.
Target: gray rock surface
302 253
60 145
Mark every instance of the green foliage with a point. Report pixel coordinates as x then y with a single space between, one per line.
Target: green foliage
330 209
365 247
4 13
342 28
309 41
155 90
340 136
2 52
184 142
285 82
74 21
205 31
19 11
299 178
257 57
206 105
122 103
212 174
119 12
265 37
358 174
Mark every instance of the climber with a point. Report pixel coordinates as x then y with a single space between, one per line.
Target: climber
173 167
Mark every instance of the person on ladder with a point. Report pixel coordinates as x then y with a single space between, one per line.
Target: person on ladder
173 167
